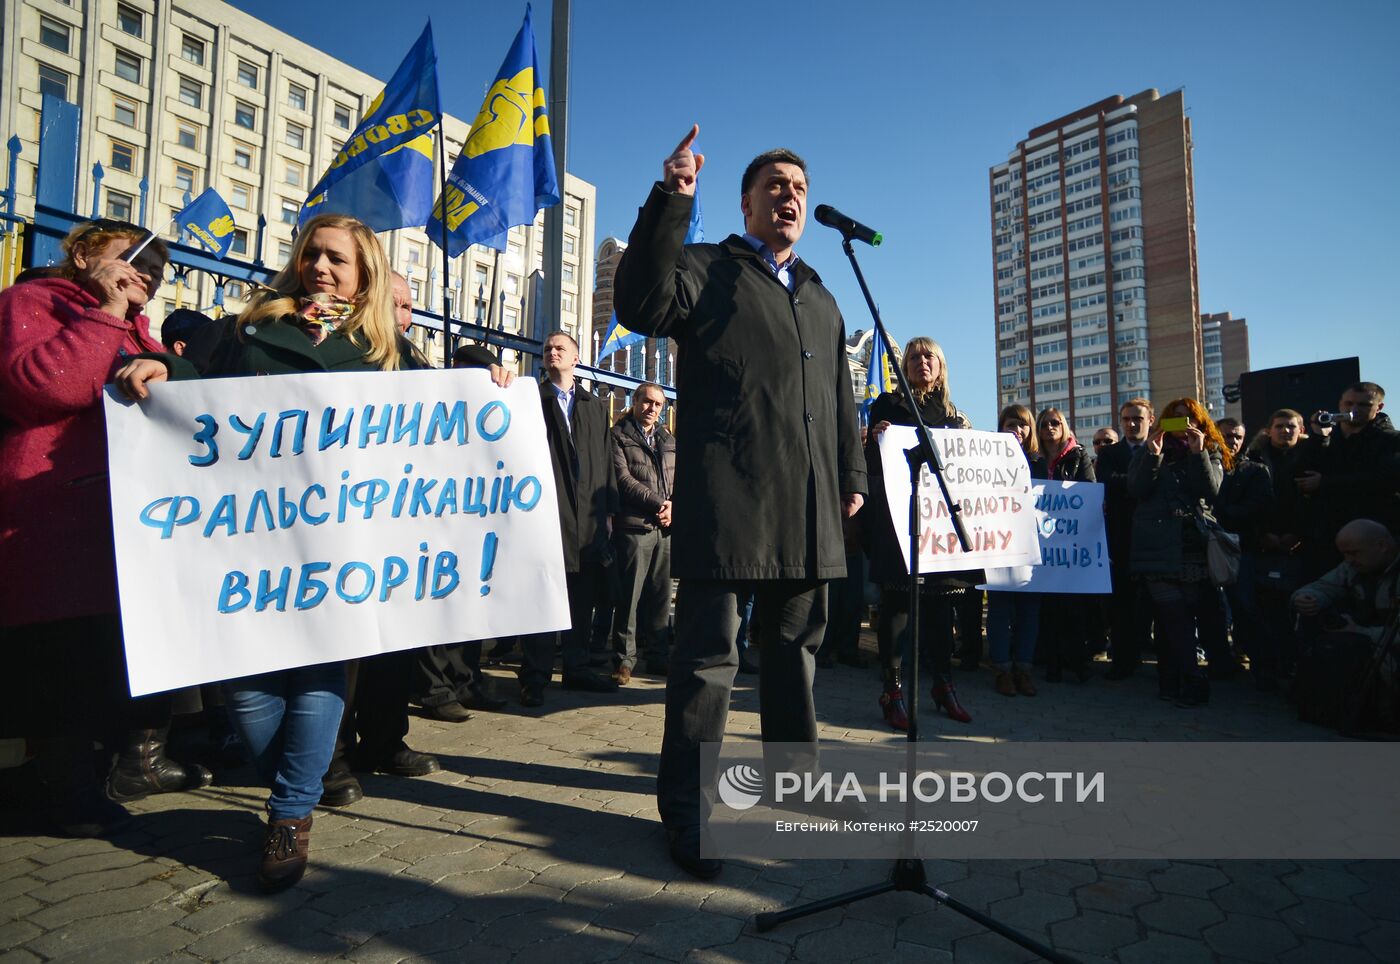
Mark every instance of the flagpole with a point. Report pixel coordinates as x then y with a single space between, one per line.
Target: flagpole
449 346
130 256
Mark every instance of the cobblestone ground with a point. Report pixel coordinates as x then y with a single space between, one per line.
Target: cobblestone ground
539 842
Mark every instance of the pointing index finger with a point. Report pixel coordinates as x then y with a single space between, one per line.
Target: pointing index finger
689 139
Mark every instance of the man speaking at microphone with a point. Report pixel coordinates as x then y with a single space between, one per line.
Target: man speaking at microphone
768 458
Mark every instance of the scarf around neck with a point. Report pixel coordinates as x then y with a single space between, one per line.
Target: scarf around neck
321 314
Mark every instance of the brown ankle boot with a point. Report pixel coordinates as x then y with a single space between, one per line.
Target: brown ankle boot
284 854
1004 684
1021 679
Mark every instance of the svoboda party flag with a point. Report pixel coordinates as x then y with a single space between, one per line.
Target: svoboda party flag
384 173
209 219
505 173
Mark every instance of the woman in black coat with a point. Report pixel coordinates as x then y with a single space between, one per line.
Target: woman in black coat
927 371
1063 632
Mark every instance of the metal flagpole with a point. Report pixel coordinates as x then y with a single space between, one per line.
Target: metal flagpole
449 345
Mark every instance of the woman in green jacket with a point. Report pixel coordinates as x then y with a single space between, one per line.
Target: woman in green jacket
329 309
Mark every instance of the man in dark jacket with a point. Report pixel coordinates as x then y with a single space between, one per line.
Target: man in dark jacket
1129 612
768 458
580 448
644 453
1351 473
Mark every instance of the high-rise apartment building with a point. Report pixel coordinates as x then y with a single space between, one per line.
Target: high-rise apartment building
1094 261
188 94
1225 342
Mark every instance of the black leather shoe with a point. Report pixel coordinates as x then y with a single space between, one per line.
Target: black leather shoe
403 762
531 695
685 851
339 787
449 712
590 682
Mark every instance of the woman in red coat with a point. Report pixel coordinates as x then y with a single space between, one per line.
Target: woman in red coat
62 336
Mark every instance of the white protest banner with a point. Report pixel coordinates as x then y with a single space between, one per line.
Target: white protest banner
1073 543
987 475
266 523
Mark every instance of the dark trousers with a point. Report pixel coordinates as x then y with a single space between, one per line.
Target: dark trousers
846 601
643 561
1130 619
935 631
446 674
967 615
1187 613
537 664
789 617
1063 633
376 704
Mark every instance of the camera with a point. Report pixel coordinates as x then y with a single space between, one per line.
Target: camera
1328 419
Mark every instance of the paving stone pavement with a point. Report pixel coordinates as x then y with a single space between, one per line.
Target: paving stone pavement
539 842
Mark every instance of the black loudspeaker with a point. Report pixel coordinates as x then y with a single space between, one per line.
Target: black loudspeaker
1304 388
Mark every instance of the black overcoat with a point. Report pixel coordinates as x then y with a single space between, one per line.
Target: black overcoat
766 434
584 477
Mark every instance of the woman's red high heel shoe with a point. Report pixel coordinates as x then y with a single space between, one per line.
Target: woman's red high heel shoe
892 705
946 699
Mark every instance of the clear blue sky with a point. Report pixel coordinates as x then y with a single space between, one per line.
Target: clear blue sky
900 109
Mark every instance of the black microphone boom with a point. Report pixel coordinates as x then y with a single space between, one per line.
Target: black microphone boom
849 227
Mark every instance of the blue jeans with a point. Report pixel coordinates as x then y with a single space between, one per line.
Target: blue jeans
288 720
1013 621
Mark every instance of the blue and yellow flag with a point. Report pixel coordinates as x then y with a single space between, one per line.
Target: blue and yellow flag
209 219
618 337
878 377
505 172
384 173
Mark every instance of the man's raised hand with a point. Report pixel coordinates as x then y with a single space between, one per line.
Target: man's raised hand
680 170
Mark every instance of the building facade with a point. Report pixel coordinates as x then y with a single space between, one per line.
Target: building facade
1094 261
1225 341
196 93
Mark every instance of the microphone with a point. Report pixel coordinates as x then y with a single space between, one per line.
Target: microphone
849 227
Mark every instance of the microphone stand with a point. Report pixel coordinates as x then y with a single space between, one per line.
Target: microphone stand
908 873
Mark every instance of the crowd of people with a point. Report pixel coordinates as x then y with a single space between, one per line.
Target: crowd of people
780 540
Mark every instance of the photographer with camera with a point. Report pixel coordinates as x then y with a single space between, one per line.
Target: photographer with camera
1350 472
1348 668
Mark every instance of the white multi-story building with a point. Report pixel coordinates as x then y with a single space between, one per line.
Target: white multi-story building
196 93
1093 247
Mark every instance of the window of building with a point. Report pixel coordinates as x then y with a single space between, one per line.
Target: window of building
415 291
123 157
284 251
294 174
296 96
567 301
187 135
184 178
191 93
234 290
243 157
513 284
296 136
341 116
128 66
130 20
414 254
247 74
124 111
570 216
240 196
192 49
290 209
53 81
55 34
570 246
568 273
512 318
119 205
240 241
245 115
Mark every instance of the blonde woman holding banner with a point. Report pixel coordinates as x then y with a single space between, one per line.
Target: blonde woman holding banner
330 309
